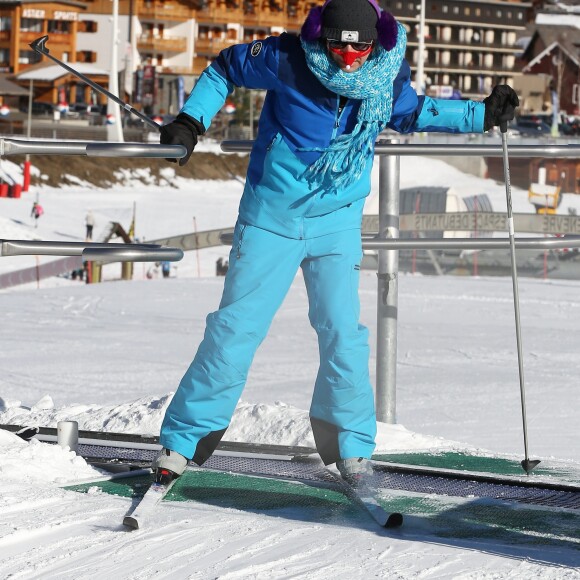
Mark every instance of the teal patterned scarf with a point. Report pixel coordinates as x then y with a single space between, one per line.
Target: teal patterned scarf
343 162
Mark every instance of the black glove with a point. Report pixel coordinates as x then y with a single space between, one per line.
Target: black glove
183 131
500 106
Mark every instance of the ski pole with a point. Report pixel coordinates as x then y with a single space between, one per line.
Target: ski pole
527 463
38 45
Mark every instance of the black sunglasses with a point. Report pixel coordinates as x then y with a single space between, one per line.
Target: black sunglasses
340 45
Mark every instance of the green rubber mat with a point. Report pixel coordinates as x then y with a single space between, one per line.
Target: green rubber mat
254 494
463 461
484 519
433 516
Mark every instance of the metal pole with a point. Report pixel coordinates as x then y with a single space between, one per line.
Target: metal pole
67 434
420 50
387 294
114 130
39 45
527 464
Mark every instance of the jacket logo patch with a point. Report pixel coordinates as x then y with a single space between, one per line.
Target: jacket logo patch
256 49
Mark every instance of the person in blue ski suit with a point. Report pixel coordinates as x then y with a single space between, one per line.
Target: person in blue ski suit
330 92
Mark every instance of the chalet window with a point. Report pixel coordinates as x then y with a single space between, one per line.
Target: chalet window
59 27
467 11
5 23
456 10
27 57
445 8
5 56
31 25
88 26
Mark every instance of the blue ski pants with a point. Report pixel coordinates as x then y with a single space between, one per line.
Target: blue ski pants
262 267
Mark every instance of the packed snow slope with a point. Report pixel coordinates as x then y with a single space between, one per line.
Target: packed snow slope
110 356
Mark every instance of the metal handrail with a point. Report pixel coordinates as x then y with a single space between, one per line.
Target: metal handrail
387 241
383 148
91 252
371 242
90 149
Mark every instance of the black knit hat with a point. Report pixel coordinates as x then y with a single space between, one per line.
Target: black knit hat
350 20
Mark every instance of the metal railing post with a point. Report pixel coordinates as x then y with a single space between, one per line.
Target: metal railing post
387 291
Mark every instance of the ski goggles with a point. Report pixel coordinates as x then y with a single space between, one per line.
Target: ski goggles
340 46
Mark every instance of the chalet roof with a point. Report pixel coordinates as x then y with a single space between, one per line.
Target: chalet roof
82 5
565 35
573 57
53 72
10 89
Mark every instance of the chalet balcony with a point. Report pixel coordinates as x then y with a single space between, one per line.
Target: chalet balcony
26 37
263 18
213 15
55 38
159 12
212 45
200 63
162 44
464 70
472 47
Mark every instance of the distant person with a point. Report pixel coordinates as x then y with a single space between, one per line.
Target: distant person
330 92
165 268
36 212
153 271
221 267
90 224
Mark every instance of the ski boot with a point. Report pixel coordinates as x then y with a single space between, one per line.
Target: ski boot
354 470
168 465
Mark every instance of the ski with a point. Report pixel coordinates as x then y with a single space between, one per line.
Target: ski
365 495
156 492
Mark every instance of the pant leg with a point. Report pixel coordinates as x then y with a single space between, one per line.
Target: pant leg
262 266
342 411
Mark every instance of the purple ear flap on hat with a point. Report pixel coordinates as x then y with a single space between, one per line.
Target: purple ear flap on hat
386 25
312 27
388 30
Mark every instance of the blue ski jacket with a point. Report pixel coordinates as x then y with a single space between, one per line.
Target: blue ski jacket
299 118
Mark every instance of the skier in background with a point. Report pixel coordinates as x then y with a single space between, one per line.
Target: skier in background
330 92
90 224
36 212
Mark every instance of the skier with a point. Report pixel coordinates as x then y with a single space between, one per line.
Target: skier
330 92
36 212
90 224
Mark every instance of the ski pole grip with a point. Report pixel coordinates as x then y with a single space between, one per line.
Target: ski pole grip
503 126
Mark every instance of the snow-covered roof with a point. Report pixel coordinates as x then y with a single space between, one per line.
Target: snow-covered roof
10 88
546 19
547 51
53 72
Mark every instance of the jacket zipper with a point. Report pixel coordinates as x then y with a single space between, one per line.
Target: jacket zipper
339 111
242 230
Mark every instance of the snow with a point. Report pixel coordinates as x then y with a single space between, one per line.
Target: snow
111 355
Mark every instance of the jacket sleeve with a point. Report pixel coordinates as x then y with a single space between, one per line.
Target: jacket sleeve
253 65
412 112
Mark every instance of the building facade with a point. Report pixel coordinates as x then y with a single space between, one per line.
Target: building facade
163 45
